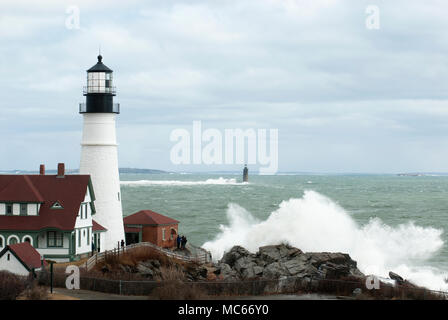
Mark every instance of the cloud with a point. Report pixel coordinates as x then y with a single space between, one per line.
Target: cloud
334 89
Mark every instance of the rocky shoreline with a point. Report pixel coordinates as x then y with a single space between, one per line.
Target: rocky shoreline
270 263
273 269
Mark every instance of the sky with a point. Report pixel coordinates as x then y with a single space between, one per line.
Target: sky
344 97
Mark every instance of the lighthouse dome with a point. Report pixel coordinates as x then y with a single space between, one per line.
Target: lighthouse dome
100 66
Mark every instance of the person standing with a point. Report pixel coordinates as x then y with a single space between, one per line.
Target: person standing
183 242
178 240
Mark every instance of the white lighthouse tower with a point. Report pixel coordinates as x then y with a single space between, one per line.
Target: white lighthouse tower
99 151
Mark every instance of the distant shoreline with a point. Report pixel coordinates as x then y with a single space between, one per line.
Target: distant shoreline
72 171
234 172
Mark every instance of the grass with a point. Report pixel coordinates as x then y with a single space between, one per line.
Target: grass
173 286
78 263
124 265
35 292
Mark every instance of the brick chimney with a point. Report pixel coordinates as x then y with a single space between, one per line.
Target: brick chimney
61 170
42 169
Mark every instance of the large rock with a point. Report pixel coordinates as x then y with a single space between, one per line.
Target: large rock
277 253
282 261
225 272
333 265
331 270
300 267
232 256
244 263
275 270
318 258
252 271
269 254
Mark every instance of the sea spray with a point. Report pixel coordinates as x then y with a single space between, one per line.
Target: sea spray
316 223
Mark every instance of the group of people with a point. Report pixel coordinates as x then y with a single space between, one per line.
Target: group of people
181 241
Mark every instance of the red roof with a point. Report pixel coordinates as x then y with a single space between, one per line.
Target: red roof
69 191
148 217
27 254
20 189
132 230
97 227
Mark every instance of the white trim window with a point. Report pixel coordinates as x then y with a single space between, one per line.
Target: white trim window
27 238
13 239
55 239
24 209
9 209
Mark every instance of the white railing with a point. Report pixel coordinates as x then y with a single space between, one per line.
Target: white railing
196 254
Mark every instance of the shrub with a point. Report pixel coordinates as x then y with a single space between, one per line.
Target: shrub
11 285
36 292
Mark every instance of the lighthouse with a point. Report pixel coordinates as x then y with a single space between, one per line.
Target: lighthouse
99 156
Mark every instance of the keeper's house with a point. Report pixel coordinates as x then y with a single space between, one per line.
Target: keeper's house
53 213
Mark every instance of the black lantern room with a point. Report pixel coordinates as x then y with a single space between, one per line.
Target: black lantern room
99 91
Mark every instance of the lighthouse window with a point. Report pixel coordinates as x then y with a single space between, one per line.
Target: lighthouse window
96 81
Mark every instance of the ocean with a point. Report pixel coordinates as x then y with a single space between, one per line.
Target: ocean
385 222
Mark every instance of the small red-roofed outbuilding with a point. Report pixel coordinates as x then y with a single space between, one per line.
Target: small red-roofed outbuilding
21 259
150 226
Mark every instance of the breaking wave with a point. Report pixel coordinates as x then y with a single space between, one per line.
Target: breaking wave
219 181
316 223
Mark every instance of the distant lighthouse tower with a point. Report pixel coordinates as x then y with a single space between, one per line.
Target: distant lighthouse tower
99 151
245 174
